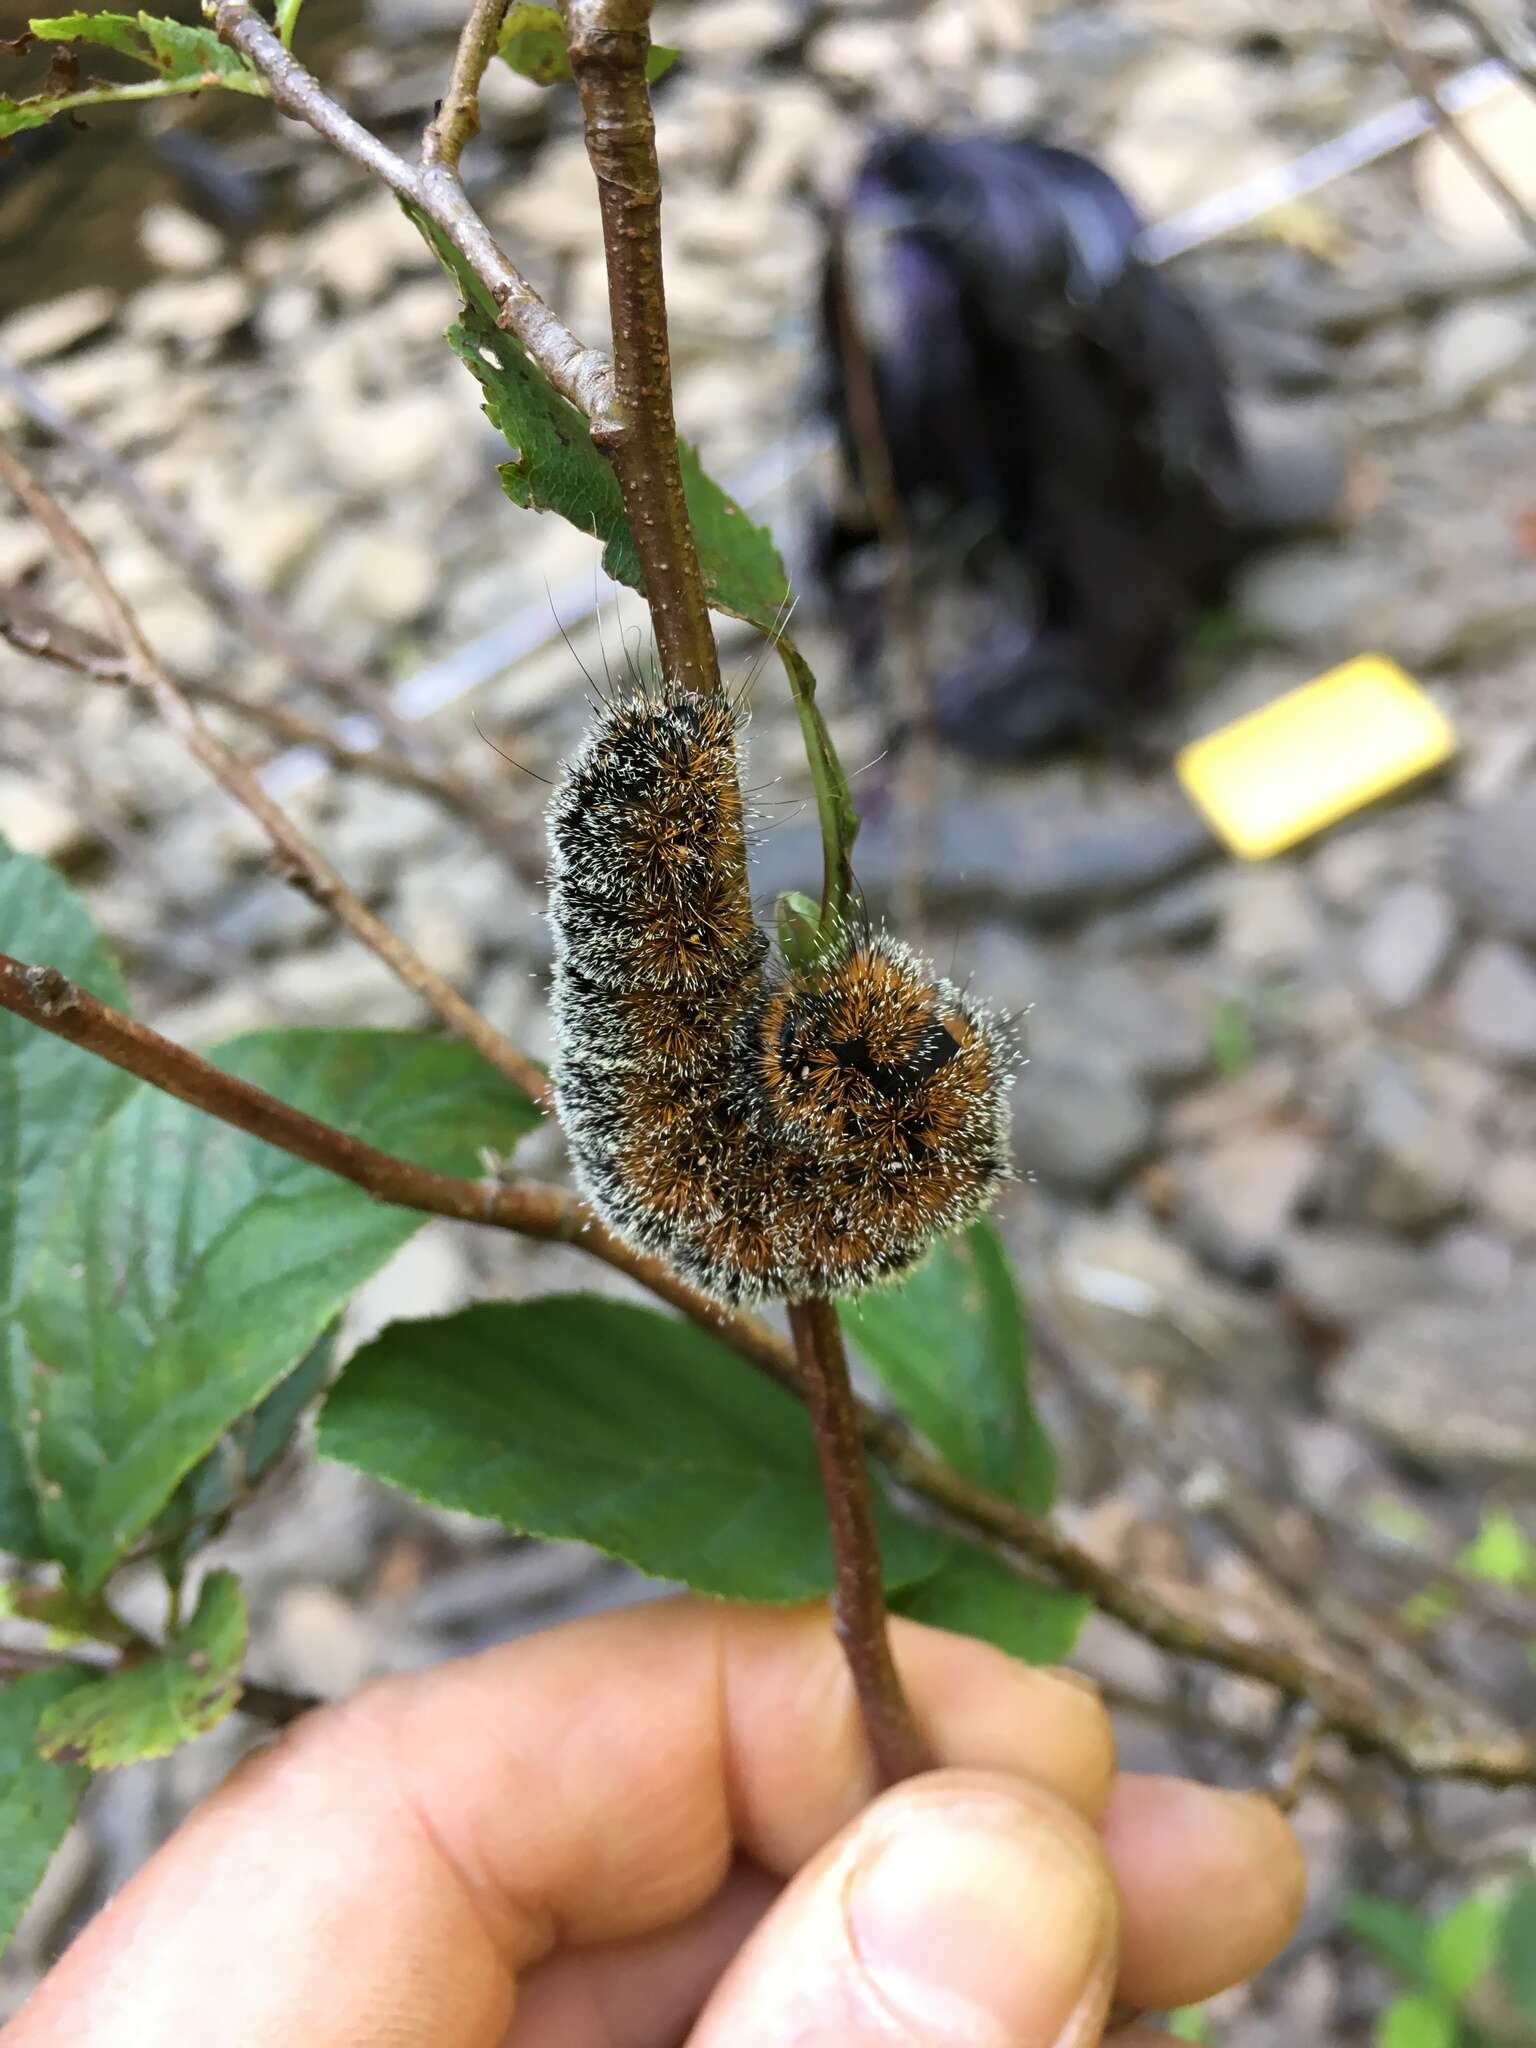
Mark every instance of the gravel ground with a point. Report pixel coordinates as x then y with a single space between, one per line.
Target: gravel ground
1280 1119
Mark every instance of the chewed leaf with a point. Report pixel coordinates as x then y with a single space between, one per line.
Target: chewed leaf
181 59
533 43
149 1709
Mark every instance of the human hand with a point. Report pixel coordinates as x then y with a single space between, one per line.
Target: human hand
657 1819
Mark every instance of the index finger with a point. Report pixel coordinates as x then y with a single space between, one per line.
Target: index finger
384 1871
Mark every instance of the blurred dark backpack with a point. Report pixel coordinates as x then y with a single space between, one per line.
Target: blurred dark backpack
1055 423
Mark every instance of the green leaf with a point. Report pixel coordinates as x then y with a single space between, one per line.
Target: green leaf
1396 1935
194 1266
37 1799
1418 2022
533 43
222 1481
52 1096
149 1709
1517 1949
1189 2023
951 1347
1463 1943
1501 1552
182 59
835 814
974 1595
286 20
597 1422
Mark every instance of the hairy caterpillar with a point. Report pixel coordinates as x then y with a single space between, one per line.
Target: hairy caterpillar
766 1133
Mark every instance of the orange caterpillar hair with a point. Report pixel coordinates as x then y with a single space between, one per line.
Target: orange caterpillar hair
791 1135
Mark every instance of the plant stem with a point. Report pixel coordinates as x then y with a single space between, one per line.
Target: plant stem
858 1599
457 119
609 43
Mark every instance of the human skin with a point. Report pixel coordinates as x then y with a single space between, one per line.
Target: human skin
660 1827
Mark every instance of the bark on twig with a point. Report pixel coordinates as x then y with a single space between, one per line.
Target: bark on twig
609 43
457 119
858 1598
304 862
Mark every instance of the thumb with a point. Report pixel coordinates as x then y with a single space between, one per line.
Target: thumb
962 1910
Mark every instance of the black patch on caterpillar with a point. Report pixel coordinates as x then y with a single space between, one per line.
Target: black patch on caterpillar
766 1135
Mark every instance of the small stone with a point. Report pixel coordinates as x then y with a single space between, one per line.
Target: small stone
1142 1303
177 240
1406 943
738 31
427 1277
1420 1159
374 580
1077 1126
1494 1003
1493 864
852 53
201 310
1308 596
1509 1192
37 821
358 250
273 537
1239 1198
1125 1012
1346 1279
385 444
1448 1383
1272 925
1480 1263
1471 348
57 324
340 986
317 1641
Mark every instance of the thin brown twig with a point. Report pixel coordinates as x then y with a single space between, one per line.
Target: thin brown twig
858 1598
31 630
1420 74
305 862
583 375
457 119
1417 1743
609 42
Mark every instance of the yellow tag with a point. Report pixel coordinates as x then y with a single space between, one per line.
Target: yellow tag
1314 755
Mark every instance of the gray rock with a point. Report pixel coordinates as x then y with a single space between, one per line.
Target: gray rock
1419 1157
1345 1279
1450 1384
57 324
1238 1199
1471 348
1479 1263
1272 924
1128 1015
1307 596
317 1641
1144 1305
1509 1192
1079 1126
1493 865
1493 1001
1405 944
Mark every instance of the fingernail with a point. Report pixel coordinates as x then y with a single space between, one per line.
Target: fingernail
983 1930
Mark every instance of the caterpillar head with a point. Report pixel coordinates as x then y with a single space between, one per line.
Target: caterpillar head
893 1060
